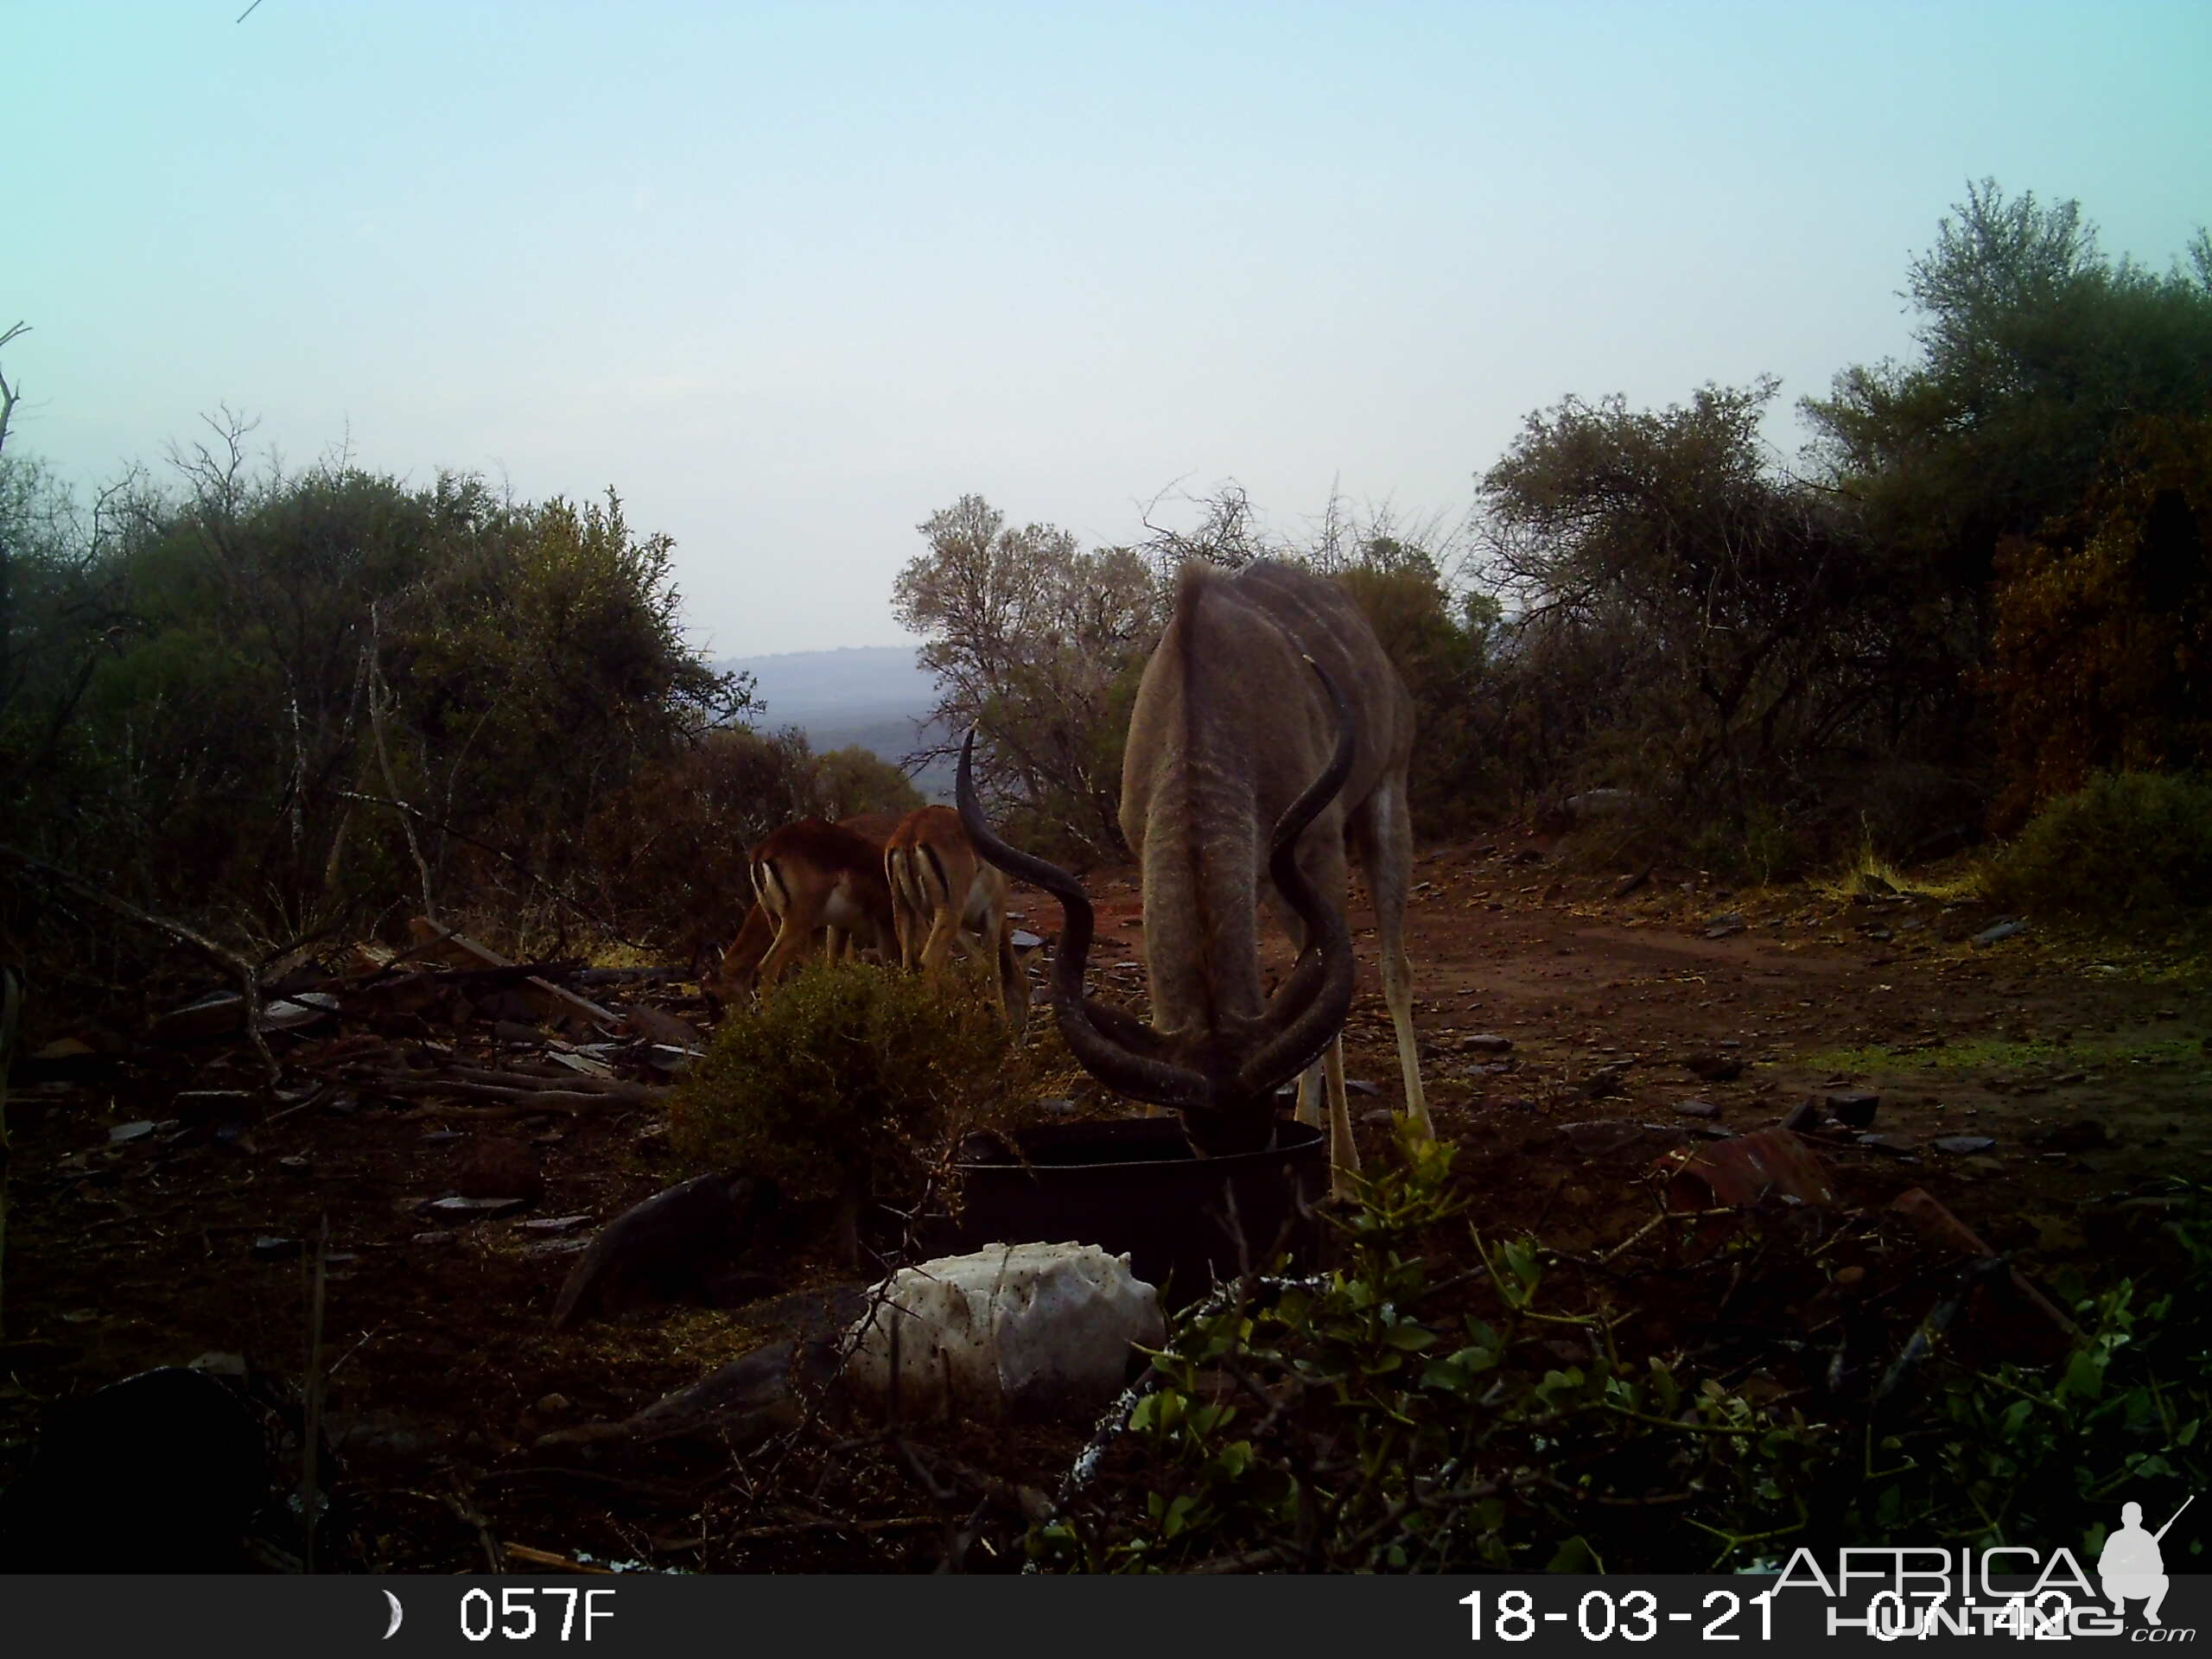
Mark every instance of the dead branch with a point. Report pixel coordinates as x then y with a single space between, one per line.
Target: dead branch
248 976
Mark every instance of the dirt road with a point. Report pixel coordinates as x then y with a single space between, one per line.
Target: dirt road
1619 1010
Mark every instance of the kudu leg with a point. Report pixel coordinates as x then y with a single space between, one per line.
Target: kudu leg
1388 848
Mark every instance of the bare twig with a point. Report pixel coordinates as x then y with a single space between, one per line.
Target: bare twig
249 978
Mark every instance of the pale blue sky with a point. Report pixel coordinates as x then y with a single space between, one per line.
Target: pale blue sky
792 276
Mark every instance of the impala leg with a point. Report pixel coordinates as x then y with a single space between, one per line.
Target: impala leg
1344 1151
1388 849
1014 985
789 941
1309 1095
906 918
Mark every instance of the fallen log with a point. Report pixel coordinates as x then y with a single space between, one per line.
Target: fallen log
549 1100
581 1082
430 935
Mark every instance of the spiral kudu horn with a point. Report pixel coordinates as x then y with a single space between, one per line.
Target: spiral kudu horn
1120 1052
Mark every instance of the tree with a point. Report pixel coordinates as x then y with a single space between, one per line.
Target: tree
1691 620
853 779
1036 644
2101 654
2037 351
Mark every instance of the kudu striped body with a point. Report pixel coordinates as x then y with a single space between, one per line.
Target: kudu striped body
1270 732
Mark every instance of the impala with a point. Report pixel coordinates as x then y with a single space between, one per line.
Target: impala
941 895
808 878
1270 732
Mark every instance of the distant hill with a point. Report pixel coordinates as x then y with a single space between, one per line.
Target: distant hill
871 696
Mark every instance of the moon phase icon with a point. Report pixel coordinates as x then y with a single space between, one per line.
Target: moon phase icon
392 1629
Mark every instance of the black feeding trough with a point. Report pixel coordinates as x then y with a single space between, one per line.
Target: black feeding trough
1133 1187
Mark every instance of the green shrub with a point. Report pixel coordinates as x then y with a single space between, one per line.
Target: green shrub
1389 1416
846 1080
2132 846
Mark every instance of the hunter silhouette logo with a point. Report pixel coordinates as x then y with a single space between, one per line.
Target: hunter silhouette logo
2131 1566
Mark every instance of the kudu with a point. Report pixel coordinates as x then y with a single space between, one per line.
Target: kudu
1268 702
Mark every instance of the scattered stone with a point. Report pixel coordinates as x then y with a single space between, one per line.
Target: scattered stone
1963 1143
1629 884
435 1239
2001 930
213 1106
270 1248
299 1161
1853 1110
1895 1145
1360 1086
1805 1115
1486 1043
124 1133
1714 1068
1697 1109
160 1473
442 1137
1379 1118
2082 1134
553 1405
501 1167
1058 1107
1605 1081
472 1208
551 1224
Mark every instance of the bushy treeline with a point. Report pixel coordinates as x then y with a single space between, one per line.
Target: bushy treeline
283 706
1983 583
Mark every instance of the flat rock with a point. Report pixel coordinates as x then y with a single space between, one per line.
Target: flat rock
1697 1109
502 1167
1712 1067
2001 930
1963 1143
124 1133
2081 1134
1486 1042
1895 1145
1853 1109
464 1209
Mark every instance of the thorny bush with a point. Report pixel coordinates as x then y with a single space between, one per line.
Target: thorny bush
846 1081
1381 1418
